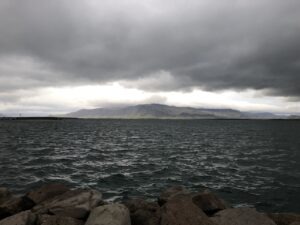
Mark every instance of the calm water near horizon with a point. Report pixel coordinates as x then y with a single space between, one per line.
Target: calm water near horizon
247 162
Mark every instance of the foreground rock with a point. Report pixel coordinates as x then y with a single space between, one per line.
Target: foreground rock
76 204
22 218
284 218
5 195
15 205
58 220
209 202
241 216
112 214
55 204
171 192
180 210
143 212
46 192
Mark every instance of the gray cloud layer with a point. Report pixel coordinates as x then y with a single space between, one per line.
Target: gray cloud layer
215 45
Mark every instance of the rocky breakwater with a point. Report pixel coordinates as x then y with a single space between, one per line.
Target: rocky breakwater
56 204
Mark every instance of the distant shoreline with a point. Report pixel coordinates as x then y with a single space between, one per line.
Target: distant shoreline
36 118
146 118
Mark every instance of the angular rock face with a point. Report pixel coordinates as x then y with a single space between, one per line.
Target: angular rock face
58 220
209 202
76 204
181 210
15 205
295 223
143 212
22 218
46 192
112 214
170 193
241 216
284 218
4 195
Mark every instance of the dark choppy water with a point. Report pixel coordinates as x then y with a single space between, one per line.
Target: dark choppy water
246 162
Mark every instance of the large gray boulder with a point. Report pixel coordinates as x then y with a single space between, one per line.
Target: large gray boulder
111 214
46 192
58 220
170 192
209 202
180 210
284 218
5 195
15 205
295 223
241 216
76 204
22 218
143 212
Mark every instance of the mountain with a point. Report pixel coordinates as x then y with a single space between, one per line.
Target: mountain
294 117
262 115
159 111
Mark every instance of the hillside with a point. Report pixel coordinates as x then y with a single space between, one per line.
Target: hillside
164 111
294 117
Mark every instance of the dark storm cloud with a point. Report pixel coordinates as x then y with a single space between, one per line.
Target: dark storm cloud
214 45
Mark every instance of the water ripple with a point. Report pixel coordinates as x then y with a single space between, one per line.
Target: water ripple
247 162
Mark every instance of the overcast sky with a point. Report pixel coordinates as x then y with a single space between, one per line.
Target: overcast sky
61 55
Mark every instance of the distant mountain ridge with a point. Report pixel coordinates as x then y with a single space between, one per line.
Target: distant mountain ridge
166 111
294 117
